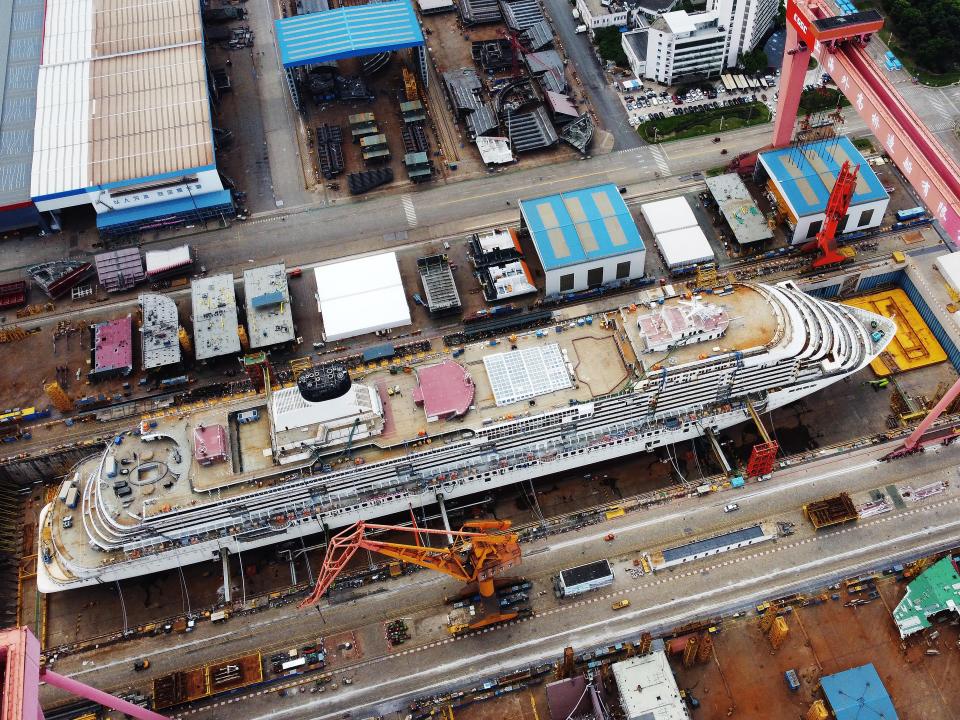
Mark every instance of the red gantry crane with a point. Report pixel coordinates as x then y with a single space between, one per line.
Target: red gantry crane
838 205
479 551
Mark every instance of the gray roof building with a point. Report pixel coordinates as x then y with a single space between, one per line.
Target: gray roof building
159 331
269 317
214 317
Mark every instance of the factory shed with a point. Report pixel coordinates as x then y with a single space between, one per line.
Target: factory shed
345 32
445 391
738 209
215 330
269 315
21 43
123 119
800 179
119 270
159 331
361 296
584 238
677 233
858 693
111 348
648 690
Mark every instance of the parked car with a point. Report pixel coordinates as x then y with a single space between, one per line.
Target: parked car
620 604
731 507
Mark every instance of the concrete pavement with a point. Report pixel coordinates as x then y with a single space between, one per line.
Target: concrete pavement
735 579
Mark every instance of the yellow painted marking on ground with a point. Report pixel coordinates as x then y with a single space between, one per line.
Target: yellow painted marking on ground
533 706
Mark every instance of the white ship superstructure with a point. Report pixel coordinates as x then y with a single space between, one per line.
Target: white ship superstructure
147 504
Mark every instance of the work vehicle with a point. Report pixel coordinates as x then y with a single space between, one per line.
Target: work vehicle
620 604
731 507
248 416
141 665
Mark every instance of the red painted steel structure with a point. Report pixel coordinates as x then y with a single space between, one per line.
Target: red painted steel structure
837 42
838 45
838 205
22 674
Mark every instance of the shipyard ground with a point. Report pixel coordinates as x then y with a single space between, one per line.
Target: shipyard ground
701 589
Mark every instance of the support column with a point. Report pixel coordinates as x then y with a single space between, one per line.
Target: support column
796 58
225 560
446 520
718 451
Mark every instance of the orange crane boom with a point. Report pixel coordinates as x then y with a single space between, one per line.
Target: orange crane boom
838 204
475 556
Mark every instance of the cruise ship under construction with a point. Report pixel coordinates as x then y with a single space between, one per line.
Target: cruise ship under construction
344 445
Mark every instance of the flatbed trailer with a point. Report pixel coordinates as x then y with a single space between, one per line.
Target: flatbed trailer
830 511
207 681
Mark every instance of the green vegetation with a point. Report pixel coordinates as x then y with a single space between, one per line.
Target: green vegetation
609 44
754 61
863 144
820 99
922 34
812 64
710 122
713 172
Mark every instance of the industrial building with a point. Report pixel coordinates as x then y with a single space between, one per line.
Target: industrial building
21 45
159 331
361 296
857 693
111 349
215 329
164 263
269 316
677 233
584 238
439 285
801 177
499 265
949 267
648 690
118 130
739 209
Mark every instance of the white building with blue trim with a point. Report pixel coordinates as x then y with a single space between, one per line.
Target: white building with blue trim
123 118
584 238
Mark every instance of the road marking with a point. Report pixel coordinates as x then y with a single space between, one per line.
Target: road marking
409 210
659 157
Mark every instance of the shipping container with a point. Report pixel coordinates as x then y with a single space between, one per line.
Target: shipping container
65 490
793 680
72 497
583 578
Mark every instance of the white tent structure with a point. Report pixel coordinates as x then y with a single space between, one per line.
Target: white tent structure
949 267
361 296
677 233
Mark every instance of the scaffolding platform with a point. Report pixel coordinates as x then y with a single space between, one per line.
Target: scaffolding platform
914 345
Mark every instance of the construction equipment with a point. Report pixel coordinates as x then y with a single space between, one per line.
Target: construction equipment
830 511
763 454
837 207
477 553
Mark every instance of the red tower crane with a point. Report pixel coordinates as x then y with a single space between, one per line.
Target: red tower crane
474 557
838 205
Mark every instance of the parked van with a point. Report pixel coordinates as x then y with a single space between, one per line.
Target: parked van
248 416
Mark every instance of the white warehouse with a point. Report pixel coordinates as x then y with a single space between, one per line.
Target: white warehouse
584 238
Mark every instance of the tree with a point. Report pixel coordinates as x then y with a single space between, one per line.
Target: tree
754 61
610 45
782 15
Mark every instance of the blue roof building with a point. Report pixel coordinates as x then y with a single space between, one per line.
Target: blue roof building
801 178
858 694
347 32
584 238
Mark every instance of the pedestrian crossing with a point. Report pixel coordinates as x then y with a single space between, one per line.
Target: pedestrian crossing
409 210
659 157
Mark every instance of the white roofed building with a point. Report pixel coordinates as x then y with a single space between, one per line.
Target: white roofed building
361 296
301 426
648 690
123 119
677 233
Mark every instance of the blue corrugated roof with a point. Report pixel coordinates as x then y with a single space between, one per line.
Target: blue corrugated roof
858 694
806 184
346 32
586 224
162 209
267 299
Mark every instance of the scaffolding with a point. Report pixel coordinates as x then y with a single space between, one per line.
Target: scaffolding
58 396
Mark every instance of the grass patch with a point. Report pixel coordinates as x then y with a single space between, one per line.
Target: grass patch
863 144
713 172
821 98
710 122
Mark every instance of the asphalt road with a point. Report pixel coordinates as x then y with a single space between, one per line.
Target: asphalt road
432 660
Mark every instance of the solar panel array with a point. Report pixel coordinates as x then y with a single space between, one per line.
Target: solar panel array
523 374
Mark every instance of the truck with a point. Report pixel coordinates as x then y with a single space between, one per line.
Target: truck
580 29
248 416
72 497
830 511
793 680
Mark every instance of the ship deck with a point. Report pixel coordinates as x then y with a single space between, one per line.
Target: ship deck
599 354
